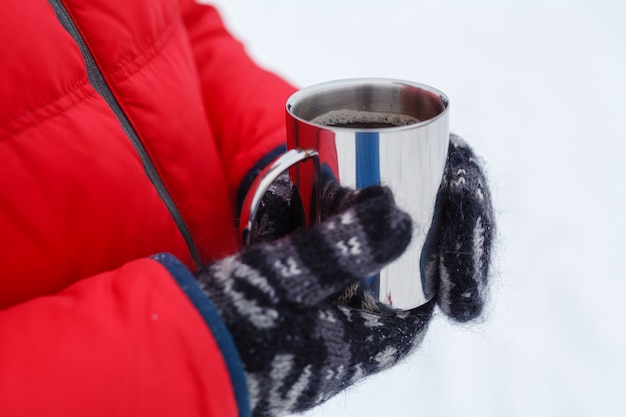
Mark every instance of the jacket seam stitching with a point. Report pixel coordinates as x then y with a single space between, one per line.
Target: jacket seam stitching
78 93
132 65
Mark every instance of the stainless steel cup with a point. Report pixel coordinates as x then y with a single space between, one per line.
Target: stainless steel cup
368 131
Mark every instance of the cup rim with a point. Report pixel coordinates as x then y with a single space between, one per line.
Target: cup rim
323 86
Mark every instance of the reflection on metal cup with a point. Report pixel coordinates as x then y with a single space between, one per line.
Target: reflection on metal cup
370 131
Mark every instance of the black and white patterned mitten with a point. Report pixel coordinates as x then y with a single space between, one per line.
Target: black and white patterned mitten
298 345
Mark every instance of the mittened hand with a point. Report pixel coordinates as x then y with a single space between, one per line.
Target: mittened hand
298 346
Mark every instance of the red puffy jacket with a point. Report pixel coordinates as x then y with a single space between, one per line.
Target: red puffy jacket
127 129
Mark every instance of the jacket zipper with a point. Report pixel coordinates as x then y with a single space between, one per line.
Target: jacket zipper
96 78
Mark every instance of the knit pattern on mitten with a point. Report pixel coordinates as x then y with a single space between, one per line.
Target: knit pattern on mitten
298 345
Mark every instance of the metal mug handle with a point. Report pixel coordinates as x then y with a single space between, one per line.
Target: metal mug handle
262 182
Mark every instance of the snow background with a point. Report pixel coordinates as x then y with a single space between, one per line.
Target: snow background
537 88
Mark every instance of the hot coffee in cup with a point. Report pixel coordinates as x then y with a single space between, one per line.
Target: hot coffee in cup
360 119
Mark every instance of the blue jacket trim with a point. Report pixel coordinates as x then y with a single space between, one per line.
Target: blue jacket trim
220 332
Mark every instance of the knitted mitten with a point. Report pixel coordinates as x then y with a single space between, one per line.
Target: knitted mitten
299 346
304 326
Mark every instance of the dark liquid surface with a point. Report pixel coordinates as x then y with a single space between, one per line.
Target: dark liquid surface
357 119
363 125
